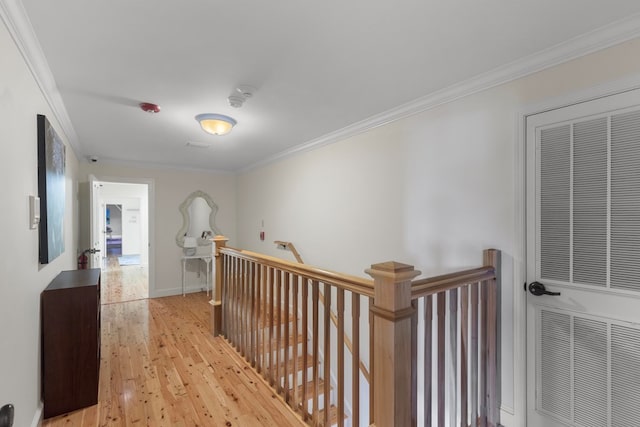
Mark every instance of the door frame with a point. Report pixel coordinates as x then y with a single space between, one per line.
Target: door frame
519 416
151 199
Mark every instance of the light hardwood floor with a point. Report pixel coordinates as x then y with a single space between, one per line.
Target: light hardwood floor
161 367
123 283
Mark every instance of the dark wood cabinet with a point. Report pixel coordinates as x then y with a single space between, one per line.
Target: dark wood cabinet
70 310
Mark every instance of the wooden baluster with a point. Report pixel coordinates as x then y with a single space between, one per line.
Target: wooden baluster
355 358
442 308
474 354
482 363
414 364
233 306
217 324
315 296
327 352
247 310
243 307
372 338
464 355
305 346
231 280
428 360
340 348
254 310
259 324
224 321
294 286
264 328
286 341
234 303
492 257
392 329
453 343
278 330
271 321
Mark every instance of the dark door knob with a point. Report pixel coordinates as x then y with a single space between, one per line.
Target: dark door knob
537 289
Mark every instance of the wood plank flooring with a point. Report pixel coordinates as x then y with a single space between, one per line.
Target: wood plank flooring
161 367
123 283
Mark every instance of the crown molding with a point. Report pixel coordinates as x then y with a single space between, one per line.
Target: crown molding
601 38
15 18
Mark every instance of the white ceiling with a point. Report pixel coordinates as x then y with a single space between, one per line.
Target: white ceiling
318 66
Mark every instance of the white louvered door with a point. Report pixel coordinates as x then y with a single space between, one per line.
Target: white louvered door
583 241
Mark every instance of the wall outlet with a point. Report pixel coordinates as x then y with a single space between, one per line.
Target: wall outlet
6 415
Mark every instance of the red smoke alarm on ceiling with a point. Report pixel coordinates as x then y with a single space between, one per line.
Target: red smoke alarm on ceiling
149 107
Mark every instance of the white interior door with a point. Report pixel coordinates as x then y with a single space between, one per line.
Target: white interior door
583 241
96 220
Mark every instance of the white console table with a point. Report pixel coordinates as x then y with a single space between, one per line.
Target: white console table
206 259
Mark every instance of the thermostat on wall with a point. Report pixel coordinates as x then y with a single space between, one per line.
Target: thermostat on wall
34 212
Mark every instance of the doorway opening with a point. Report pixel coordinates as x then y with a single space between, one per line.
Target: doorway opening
122 214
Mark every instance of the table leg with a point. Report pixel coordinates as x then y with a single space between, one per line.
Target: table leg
184 263
208 275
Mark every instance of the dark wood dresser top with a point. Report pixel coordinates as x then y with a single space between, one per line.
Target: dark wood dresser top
75 279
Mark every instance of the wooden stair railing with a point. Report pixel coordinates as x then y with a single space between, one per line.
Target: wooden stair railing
255 306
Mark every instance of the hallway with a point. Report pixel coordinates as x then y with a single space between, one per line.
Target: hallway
122 283
160 366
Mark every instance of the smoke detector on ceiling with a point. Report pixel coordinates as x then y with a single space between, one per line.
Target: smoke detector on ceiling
149 107
240 94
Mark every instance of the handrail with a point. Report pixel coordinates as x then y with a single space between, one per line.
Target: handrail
291 247
433 285
350 283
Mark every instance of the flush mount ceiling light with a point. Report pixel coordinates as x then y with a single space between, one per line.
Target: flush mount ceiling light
216 124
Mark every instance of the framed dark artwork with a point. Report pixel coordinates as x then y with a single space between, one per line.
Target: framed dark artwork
51 190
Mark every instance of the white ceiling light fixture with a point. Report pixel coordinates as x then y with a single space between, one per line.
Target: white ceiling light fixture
216 124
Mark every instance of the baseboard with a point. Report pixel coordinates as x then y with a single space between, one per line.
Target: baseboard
37 417
159 293
507 418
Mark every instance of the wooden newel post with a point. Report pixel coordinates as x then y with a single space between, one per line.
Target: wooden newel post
216 301
491 293
392 313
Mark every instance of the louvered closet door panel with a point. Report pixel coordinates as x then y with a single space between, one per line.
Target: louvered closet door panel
590 372
625 201
555 155
590 202
625 376
554 342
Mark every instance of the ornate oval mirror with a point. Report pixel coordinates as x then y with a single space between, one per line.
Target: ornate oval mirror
198 218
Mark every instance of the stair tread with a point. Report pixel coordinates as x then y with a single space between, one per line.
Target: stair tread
333 415
283 343
309 388
300 361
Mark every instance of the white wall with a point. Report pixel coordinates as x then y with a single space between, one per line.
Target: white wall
171 188
431 190
22 278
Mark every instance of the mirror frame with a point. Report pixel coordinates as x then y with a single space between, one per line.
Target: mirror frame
186 219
